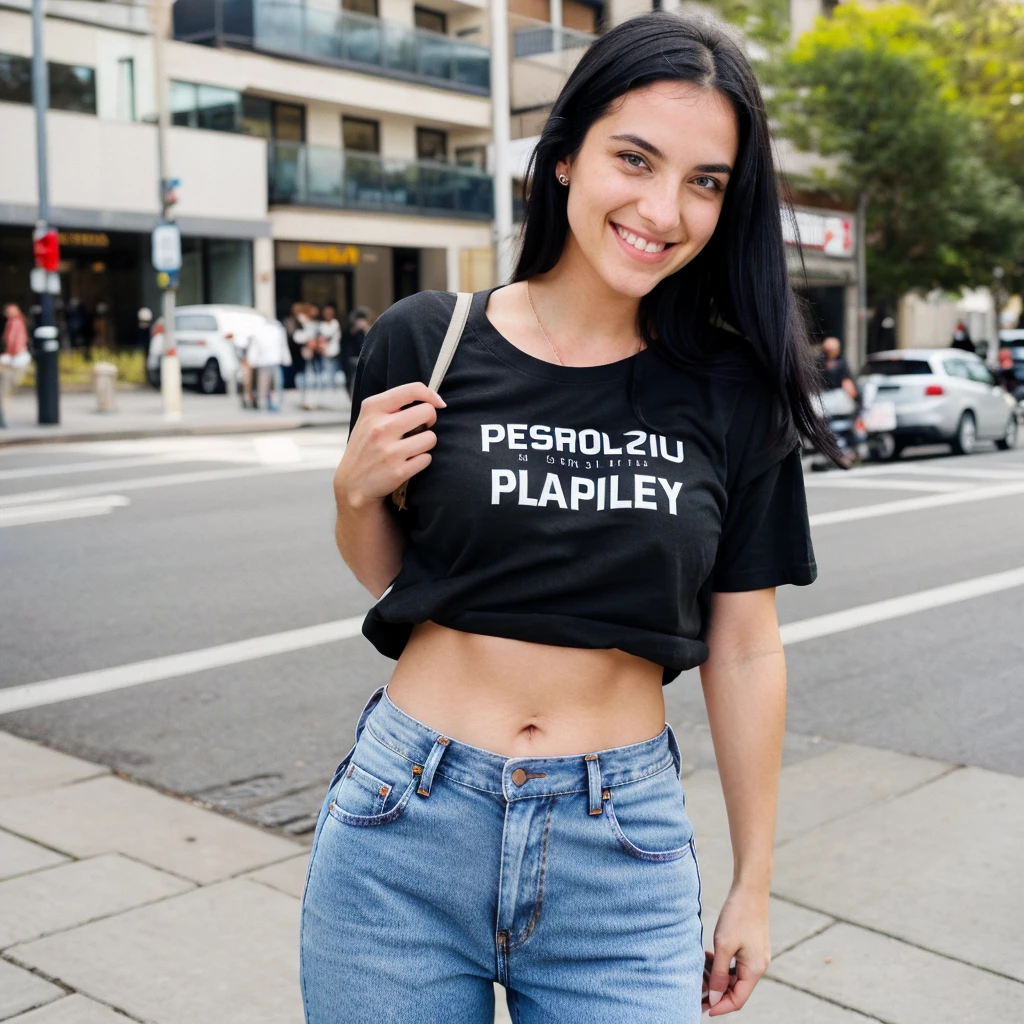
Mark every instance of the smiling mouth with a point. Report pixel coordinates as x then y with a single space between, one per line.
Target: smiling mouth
640 242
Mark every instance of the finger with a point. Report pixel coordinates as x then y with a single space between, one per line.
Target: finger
734 997
416 444
395 398
416 417
718 984
417 464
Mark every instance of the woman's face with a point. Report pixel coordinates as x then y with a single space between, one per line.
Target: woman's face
647 186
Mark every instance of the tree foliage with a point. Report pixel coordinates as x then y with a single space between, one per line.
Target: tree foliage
889 93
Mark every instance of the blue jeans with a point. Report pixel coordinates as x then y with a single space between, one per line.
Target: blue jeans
439 868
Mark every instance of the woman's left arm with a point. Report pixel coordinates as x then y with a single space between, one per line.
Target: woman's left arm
744 681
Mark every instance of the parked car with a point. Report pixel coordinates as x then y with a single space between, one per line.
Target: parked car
1011 360
942 395
208 340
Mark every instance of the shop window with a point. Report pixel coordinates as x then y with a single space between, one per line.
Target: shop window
72 87
215 270
361 7
360 135
431 144
432 21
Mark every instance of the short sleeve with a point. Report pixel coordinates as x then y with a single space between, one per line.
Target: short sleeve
371 376
766 538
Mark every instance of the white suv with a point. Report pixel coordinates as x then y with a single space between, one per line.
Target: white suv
208 340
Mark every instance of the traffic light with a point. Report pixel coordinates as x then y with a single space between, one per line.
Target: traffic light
46 250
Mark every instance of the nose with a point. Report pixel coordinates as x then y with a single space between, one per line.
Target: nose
661 208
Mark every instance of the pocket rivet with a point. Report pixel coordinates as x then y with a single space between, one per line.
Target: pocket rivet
606 795
417 769
383 790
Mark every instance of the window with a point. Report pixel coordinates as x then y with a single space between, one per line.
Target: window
956 368
289 122
206 106
71 87
471 156
126 89
360 135
361 7
432 21
979 372
194 322
897 367
431 144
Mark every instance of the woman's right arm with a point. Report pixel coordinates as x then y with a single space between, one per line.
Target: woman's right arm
379 457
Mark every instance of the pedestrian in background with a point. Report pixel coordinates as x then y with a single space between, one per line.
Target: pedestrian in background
330 331
962 338
309 336
511 810
267 352
834 369
14 358
352 343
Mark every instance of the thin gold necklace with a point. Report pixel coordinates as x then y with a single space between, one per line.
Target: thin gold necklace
551 344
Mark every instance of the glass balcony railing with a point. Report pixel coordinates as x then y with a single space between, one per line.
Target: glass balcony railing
329 35
537 39
308 175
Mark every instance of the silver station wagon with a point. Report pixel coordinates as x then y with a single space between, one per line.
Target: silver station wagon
942 395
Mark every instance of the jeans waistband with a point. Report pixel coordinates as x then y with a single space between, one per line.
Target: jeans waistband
515 778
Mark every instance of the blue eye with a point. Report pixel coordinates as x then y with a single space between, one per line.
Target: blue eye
630 157
715 186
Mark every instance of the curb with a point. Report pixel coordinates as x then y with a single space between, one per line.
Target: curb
167 430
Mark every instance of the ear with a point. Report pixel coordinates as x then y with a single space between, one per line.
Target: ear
564 167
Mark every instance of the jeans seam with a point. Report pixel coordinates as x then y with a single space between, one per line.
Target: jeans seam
539 902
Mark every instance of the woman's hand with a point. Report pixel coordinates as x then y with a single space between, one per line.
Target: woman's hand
388 444
741 932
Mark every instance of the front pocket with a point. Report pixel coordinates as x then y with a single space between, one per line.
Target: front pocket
361 793
649 818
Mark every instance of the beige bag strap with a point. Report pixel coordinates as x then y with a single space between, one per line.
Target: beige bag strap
457 324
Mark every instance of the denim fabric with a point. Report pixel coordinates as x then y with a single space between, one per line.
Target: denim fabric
439 868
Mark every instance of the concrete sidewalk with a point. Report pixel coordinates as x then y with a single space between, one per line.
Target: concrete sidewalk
897 897
140 414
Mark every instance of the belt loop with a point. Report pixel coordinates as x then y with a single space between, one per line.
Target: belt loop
594 783
430 765
673 746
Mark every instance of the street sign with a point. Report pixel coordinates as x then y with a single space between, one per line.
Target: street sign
166 248
167 279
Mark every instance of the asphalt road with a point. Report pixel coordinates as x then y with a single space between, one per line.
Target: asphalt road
117 553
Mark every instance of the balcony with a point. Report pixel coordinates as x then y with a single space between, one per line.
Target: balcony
337 38
540 38
543 57
306 175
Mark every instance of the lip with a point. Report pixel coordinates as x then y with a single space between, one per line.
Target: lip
634 252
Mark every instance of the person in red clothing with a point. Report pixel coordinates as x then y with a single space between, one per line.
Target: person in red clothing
15 358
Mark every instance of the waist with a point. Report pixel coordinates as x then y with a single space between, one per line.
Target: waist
524 699
523 775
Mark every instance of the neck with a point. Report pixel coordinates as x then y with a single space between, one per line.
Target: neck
581 313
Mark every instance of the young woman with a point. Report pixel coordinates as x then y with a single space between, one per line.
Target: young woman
606 494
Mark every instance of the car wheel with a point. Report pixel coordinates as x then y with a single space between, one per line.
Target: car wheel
966 437
210 381
1009 438
883 447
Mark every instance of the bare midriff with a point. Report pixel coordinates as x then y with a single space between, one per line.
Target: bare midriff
522 699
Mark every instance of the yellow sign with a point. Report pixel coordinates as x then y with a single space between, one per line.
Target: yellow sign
334 255
85 239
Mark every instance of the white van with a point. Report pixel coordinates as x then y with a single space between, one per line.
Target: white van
209 340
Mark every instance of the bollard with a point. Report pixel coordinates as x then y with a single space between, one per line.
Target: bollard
104 379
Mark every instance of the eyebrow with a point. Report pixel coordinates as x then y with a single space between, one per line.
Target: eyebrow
649 147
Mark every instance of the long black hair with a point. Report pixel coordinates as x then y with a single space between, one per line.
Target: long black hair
740 277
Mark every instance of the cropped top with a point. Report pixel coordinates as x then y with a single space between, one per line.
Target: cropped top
584 506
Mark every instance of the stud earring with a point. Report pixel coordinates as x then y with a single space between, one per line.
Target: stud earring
563 179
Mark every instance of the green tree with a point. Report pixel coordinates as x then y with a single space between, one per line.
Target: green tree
874 87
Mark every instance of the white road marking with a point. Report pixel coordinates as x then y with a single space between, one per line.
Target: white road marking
324 461
276 450
48 512
87 684
896 607
98 466
852 482
889 508
930 469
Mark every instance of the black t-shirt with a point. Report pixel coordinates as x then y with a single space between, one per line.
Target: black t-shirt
584 506
832 377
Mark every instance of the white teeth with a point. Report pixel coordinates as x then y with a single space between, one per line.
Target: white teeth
654 247
631 238
637 242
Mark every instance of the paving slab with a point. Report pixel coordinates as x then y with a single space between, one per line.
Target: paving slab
74 1009
21 990
222 954
938 867
772 1003
69 895
18 856
29 768
109 814
288 877
897 982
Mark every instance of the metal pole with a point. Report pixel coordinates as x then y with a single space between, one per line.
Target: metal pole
862 281
47 345
170 367
501 130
